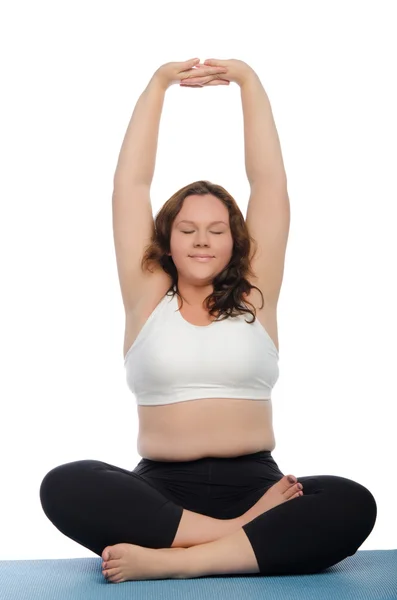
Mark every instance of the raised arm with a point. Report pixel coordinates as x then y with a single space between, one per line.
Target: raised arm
268 211
137 156
133 223
132 211
263 157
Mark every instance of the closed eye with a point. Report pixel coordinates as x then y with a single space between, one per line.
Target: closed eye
214 232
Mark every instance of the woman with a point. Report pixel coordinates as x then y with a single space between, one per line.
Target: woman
207 498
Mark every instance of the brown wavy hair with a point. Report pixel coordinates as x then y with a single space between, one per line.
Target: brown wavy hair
231 283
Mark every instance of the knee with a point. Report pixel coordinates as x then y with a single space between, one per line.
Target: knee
366 505
361 497
352 506
359 507
57 484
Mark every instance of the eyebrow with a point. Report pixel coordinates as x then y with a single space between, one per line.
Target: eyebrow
213 222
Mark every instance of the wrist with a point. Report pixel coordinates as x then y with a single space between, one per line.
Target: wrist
249 76
158 82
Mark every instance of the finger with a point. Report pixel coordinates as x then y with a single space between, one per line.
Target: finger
197 84
205 71
196 80
204 81
214 62
189 64
208 69
218 82
212 69
207 77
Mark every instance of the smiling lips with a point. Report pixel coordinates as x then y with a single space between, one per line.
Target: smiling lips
202 258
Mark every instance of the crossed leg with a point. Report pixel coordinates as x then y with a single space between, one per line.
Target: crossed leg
214 545
306 535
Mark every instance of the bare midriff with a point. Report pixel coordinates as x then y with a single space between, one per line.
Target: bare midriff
217 427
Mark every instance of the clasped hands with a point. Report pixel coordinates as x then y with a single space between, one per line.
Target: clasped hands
212 72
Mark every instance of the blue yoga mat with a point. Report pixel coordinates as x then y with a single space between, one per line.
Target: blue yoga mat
367 575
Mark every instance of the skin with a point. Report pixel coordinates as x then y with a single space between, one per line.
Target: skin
194 278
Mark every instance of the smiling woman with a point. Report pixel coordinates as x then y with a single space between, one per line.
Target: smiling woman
204 389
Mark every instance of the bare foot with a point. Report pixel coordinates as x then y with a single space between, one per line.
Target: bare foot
124 562
280 492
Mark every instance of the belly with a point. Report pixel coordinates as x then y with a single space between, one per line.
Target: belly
217 427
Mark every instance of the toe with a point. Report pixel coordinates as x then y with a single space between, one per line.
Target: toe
111 564
117 579
285 482
112 574
294 489
106 553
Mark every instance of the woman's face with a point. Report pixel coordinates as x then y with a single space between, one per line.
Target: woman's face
201 235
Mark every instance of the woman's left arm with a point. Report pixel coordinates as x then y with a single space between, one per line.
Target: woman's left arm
263 158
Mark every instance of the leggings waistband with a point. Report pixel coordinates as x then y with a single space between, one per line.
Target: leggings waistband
213 459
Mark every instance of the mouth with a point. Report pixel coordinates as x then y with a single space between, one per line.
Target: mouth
202 258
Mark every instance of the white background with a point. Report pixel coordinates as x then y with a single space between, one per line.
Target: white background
72 73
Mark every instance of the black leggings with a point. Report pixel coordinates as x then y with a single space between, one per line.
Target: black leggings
98 504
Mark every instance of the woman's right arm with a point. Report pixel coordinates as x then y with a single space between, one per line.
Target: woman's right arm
137 156
133 222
